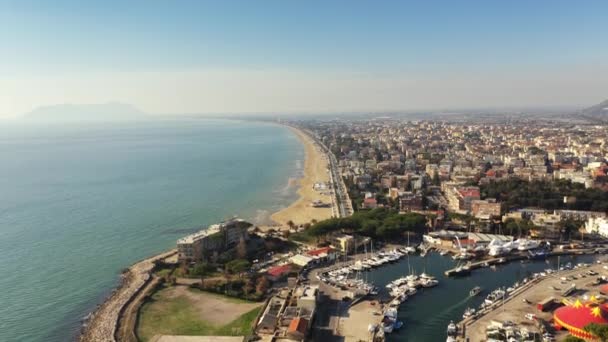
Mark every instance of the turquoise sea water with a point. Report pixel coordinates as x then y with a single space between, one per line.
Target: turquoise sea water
78 203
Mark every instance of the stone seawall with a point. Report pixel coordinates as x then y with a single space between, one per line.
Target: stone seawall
104 321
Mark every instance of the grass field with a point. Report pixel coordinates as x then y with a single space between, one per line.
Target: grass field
179 311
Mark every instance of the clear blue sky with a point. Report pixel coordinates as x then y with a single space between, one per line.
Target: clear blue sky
379 39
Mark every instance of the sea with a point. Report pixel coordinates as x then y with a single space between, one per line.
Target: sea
79 202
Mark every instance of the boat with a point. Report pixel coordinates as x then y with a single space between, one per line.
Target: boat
536 255
475 291
452 330
461 271
468 312
525 245
429 282
495 296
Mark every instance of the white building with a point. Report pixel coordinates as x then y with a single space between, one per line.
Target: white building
597 225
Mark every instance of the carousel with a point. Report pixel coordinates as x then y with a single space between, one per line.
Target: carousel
576 316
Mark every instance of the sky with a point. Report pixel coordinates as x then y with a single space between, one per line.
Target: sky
302 56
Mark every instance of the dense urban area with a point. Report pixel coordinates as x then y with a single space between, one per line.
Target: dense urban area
482 194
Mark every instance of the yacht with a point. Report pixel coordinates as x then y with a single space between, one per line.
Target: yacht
495 296
429 282
525 245
468 312
452 330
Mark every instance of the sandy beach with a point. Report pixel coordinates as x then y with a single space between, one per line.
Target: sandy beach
315 170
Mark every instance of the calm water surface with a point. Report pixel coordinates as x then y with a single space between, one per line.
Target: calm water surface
80 202
427 314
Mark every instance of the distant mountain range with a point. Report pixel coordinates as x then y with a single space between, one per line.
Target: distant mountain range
597 112
112 111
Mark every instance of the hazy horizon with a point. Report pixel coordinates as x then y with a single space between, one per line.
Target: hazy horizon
237 57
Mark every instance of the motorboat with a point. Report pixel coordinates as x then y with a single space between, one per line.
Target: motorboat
452 330
475 291
468 312
525 245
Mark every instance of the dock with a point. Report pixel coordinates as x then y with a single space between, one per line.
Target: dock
517 257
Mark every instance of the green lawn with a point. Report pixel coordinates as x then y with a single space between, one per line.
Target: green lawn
176 316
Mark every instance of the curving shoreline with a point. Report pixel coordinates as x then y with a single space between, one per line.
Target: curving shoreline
103 323
315 170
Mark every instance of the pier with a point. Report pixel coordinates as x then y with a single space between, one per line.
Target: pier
508 258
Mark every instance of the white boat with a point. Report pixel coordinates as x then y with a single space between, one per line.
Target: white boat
452 329
468 312
524 245
429 283
410 250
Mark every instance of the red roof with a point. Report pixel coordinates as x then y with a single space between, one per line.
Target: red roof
298 324
317 252
469 192
491 173
279 270
575 317
370 200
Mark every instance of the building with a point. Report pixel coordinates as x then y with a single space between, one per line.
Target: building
348 243
485 208
324 254
216 238
460 198
408 201
278 272
597 225
289 314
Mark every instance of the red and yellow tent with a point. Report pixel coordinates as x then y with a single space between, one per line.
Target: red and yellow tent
575 317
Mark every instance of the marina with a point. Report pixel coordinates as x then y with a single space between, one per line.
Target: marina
426 315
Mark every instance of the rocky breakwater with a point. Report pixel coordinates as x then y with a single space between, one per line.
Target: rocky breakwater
103 322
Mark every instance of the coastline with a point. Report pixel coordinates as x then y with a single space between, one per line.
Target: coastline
104 321
315 170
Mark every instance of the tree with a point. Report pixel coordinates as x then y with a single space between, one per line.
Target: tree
262 285
237 266
201 269
241 249
599 330
291 224
571 338
248 287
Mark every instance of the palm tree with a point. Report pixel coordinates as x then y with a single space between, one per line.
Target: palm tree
291 224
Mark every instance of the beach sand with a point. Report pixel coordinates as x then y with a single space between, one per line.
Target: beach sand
315 170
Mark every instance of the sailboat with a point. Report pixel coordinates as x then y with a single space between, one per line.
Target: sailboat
409 249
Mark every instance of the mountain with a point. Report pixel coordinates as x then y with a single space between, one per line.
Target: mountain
597 112
112 111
